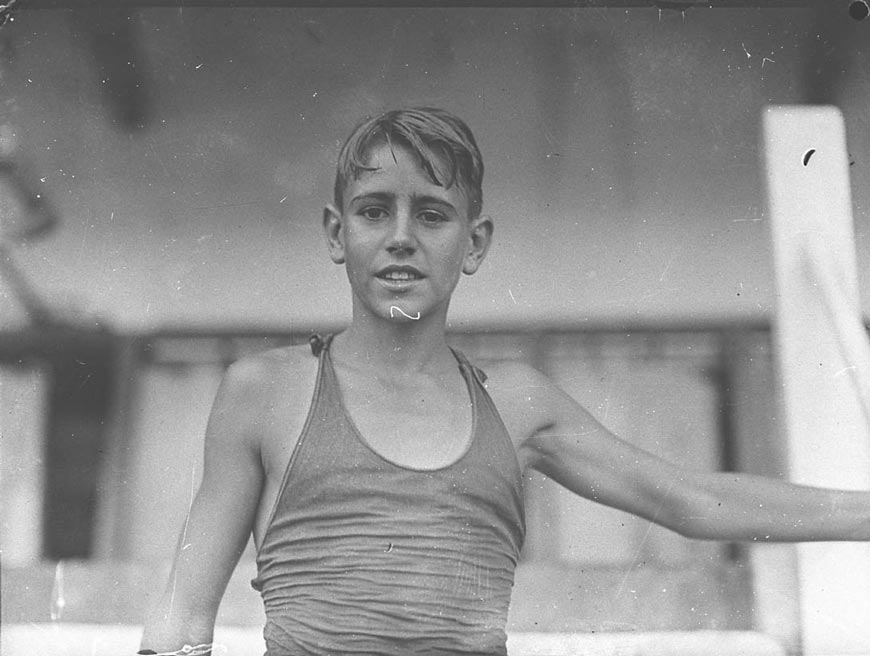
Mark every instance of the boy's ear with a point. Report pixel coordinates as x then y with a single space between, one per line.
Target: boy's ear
481 238
333 229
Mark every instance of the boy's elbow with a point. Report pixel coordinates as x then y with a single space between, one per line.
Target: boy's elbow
691 513
695 529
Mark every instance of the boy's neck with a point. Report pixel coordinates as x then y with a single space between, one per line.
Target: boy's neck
401 347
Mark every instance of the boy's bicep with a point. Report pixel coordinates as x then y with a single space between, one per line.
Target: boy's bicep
232 477
569 445
231 457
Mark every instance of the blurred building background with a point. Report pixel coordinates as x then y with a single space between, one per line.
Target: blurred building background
163 175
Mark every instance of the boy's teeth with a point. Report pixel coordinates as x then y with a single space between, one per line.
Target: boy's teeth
399 275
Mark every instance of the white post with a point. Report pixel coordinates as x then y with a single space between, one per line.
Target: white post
823 357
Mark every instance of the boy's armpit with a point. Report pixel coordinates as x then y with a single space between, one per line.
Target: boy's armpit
527 400
536 411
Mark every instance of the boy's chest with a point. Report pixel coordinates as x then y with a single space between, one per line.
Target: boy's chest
424 426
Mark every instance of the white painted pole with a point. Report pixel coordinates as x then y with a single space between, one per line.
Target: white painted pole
823 357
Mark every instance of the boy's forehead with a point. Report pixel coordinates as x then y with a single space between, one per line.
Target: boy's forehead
394 164
381 155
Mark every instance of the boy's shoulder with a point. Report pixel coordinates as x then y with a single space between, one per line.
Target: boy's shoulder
276 379
514 376
267 367
523 396
265 397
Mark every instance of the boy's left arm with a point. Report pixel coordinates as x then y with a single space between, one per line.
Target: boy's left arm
558 437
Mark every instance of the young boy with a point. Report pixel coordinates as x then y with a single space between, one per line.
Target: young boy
381 473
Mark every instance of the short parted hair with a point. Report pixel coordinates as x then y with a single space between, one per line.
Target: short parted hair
443 143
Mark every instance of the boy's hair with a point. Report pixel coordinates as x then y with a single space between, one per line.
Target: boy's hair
433 135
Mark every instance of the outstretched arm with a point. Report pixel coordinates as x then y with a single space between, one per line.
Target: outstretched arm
569 445
219 522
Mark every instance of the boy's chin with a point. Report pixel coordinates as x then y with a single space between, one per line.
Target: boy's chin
403 313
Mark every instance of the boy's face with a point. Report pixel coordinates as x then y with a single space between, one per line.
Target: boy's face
404 239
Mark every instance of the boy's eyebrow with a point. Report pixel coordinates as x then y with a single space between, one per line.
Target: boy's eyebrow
373 195
418 199
425 199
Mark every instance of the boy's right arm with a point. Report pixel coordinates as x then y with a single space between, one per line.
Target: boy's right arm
220 518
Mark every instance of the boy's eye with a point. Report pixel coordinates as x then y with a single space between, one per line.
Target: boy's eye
432 217
374 213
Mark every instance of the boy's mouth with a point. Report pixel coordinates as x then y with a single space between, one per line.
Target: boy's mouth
399 273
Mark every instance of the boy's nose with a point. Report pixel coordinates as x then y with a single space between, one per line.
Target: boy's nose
402 234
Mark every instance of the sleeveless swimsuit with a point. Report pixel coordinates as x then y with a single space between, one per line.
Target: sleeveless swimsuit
364 556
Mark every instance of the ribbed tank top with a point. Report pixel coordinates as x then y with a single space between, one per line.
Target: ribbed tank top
363 556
